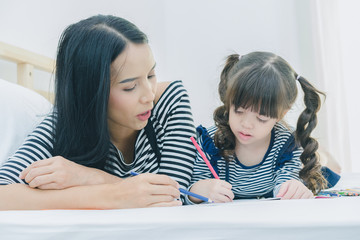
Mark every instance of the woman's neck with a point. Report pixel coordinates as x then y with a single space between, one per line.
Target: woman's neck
124 141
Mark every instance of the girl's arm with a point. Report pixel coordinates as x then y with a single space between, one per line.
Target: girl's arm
145 190
203 183
287 182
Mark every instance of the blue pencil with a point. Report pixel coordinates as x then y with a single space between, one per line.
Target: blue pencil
205 199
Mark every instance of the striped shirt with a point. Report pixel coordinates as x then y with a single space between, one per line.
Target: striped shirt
263 179
173 126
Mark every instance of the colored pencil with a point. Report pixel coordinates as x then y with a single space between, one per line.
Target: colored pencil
205 199
204 157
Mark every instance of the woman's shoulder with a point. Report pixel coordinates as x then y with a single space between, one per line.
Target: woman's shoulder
170 97
164 88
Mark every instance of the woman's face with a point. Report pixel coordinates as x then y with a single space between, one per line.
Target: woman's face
132 90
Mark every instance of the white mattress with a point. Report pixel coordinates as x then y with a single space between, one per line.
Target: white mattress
336 218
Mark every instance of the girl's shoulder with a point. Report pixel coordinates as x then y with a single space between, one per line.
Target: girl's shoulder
283 139
206 132
205 137
282 131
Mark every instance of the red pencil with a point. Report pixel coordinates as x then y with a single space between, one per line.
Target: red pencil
204 157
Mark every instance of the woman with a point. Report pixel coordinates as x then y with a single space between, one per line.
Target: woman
110 118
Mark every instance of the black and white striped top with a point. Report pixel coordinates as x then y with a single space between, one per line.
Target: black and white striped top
263 179
173 124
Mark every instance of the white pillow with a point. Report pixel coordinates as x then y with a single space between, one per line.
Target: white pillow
21 110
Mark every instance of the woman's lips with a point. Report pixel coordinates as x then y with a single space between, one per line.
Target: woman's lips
144 116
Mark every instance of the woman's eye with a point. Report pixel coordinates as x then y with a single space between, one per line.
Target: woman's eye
130 89
151 76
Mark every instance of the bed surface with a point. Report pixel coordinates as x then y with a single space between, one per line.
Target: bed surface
335 218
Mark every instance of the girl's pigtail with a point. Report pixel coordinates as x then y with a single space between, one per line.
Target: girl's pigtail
224 138
311 171
224 77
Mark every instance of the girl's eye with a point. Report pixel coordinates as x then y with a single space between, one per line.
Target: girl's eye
238 112
130 89
151 76
263 119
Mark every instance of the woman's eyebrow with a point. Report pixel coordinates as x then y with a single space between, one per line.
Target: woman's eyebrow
128 80
133 79
153 67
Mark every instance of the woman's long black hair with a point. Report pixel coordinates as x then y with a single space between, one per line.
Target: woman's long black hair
82 85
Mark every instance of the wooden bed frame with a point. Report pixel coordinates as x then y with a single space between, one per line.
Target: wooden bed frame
26 62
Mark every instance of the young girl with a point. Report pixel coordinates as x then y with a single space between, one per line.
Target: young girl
110 118
254 154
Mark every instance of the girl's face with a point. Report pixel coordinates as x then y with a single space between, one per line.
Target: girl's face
249 127
133 87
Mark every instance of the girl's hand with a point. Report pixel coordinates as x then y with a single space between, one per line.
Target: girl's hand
294 189
59 173
217 190
144 190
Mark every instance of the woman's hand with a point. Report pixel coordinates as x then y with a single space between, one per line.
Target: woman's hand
145 190
217 190
294 189
59 173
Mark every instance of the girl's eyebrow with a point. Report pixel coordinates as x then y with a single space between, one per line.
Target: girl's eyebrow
133 79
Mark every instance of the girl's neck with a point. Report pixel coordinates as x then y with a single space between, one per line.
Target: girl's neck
252 154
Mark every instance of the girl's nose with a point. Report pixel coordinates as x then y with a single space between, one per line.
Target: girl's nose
246 121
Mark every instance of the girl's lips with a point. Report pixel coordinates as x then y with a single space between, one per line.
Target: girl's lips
144 116
244 136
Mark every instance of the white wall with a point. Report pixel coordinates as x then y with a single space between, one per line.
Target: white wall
190 38
350 59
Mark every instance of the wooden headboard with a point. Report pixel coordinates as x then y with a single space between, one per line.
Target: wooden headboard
26 62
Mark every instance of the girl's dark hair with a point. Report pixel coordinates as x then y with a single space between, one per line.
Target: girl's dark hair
266 83
82 85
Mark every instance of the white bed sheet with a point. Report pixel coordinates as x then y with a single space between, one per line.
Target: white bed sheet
337 218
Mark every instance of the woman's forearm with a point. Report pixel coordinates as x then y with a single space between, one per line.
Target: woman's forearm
22 197
145 190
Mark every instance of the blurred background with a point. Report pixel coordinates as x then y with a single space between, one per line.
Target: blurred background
191 38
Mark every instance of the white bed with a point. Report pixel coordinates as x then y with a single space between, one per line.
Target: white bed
337 218
22 106
248 219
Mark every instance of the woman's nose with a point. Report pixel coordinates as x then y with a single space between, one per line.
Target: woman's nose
148 94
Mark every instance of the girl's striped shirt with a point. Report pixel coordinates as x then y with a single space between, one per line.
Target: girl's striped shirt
263 179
